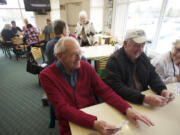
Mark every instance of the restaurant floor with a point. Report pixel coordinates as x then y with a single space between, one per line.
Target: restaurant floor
21 110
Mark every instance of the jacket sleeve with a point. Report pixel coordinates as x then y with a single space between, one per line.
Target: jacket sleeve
62 107
155 82
162 71
115 80
92 29
78 31
106 93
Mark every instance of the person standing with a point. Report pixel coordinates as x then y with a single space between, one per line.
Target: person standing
48 29
85 30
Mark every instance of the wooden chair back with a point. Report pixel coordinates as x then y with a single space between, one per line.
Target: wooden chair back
101 63
17 41
41 37
101 66
51 35
36 52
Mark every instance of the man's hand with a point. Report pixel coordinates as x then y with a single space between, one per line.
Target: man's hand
155 100
133 116
168 95
104 128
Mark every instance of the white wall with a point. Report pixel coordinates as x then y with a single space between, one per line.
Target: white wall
85 5
55 10
41 20
53 14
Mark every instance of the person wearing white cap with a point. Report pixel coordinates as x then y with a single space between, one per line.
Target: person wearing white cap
168 64
129 72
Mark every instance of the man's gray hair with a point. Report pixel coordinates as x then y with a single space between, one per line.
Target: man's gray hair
82 14
60 45
7 26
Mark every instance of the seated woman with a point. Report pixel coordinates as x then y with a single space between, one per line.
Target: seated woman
85 30
168 65
7 34
31 36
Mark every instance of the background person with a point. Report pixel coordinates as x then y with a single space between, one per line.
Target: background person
60 30
31 36
25 24
85 30
168 64
7 33
16 30
48 29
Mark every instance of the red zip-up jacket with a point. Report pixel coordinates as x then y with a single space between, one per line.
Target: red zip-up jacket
68 101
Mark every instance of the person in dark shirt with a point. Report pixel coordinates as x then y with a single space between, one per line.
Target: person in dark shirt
7 33
129 72
15 29
48 29
60 30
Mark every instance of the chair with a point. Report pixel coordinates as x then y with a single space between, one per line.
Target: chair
19 47
36 53
100 66
51 35
35 57
41 44
41 40
7 47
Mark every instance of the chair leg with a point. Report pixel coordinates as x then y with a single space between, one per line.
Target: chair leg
52 117
9 53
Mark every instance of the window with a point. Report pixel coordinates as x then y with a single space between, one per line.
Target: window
14 10
159 19
96 14
170 28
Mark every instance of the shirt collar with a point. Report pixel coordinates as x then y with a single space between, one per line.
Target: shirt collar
61 69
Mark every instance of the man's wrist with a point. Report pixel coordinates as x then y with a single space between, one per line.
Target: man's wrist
146 99
128 109
95 124
162 92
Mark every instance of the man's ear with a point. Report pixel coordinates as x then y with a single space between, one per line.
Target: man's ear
59 56
125 44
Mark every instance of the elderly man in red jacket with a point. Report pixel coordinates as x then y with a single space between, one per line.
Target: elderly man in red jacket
70 85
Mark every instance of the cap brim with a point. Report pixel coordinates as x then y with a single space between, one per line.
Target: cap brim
141 40
177 45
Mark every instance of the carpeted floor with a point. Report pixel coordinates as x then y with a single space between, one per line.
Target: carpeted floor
21 110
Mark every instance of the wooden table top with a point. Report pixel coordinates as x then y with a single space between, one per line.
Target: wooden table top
166 118
93 52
